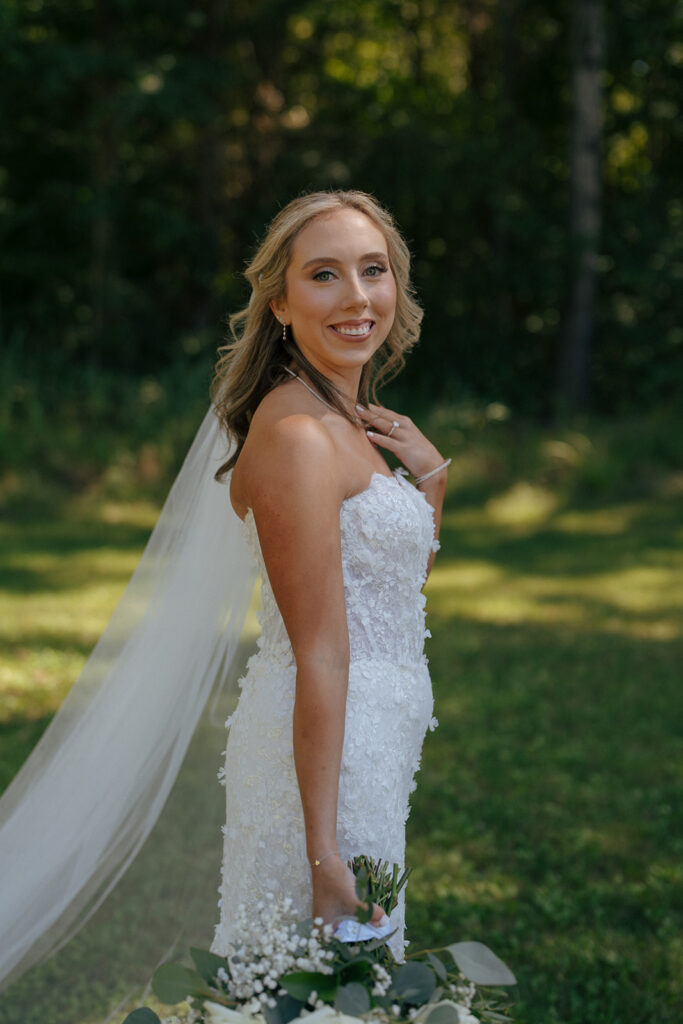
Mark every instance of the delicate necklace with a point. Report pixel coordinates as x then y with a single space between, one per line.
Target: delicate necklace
320 398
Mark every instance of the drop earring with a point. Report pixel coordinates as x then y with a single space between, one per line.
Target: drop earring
284 330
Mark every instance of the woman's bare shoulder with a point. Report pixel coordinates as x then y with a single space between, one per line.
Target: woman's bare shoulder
286 443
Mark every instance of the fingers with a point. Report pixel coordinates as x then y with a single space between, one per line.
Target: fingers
378 915
374 413
391 443
385 422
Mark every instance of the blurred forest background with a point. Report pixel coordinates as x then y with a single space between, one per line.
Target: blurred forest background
531 154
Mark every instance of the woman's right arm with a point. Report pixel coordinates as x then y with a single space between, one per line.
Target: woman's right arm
296 498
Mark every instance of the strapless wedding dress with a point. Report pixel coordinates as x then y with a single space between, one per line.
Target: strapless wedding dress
387 533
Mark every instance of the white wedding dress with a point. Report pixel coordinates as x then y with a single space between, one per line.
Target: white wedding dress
387 534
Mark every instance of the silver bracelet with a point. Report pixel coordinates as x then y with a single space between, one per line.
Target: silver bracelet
421 479
318 861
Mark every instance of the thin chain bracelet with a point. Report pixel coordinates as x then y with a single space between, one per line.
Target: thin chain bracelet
421 479
318 861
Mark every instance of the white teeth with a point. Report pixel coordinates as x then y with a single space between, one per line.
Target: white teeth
356 332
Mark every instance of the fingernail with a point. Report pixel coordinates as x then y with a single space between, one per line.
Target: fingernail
360 408
369 433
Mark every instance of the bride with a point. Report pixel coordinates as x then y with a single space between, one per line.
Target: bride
326 738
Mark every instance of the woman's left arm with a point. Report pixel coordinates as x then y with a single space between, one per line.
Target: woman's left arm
415 451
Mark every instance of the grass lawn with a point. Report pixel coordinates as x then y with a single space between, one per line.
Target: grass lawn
547 819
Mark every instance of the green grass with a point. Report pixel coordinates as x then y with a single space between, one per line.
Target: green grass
547 821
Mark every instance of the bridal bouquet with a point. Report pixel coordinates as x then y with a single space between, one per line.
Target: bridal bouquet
286 970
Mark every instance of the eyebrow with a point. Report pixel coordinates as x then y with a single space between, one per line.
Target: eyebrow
331 259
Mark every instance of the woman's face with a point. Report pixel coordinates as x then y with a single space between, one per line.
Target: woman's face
341 291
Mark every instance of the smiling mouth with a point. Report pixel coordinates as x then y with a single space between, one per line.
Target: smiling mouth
354 330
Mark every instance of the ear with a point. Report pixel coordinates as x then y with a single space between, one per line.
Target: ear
279 309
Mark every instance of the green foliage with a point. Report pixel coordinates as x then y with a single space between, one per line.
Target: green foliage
413 984
143 1015
172 983
352 999
300 984
149 145
207 964
374 884
443 1015
480 964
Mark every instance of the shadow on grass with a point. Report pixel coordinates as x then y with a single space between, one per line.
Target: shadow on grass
63 554
628 537
545 822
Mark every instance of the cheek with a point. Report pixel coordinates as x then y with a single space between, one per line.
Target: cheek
307 302
387 296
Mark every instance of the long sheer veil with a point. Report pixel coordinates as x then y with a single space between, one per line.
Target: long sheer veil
81 807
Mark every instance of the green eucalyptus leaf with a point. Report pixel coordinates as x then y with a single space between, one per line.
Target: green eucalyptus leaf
438 966
356 970
288 1009
142 1016
300 984
369 945
352 999
173 983
342 951
443 1015
207 964
273 1014
480 965
413 983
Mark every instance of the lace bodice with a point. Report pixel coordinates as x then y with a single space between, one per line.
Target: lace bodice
387 533
385 546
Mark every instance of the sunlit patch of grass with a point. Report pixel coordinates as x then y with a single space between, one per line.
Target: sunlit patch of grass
523 504
621 589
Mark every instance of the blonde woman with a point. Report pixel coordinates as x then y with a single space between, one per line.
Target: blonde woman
327 735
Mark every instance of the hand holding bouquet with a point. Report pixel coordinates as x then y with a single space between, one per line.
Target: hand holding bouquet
284 970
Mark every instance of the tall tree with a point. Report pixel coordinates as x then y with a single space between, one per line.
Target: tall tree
103 171
585 214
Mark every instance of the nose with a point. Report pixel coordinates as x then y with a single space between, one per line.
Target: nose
355 294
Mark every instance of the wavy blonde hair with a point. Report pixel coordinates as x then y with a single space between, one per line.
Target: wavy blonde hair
251 363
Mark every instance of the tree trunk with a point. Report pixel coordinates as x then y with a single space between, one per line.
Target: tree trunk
572 382
209 204
103 157
506 115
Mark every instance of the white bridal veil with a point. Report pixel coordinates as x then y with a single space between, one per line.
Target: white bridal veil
83 804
